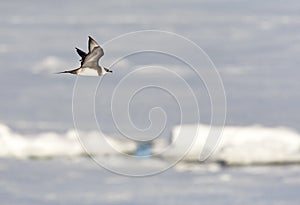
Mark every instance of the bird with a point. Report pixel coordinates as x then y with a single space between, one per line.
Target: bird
89 65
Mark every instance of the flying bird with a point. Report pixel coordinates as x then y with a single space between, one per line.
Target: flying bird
89 61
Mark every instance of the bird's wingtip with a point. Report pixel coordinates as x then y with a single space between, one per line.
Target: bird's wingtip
91 38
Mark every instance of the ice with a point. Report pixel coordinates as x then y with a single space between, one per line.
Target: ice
259 145
51 144
244 145
239 145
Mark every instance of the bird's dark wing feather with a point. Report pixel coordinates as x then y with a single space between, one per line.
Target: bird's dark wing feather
82 55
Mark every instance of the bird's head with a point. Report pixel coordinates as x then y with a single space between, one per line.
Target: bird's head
107 70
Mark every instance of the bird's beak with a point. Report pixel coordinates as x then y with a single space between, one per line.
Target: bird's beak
110 71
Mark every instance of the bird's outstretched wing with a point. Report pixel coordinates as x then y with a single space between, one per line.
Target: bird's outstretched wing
92 58
82 55
92 44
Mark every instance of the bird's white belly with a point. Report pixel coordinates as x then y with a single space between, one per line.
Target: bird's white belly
89 72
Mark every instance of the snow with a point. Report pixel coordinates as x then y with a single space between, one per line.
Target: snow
238 145
51 144
259 145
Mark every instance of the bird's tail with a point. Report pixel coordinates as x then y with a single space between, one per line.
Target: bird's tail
68 71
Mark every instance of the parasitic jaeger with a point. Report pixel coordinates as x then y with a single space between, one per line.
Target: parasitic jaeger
89 61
